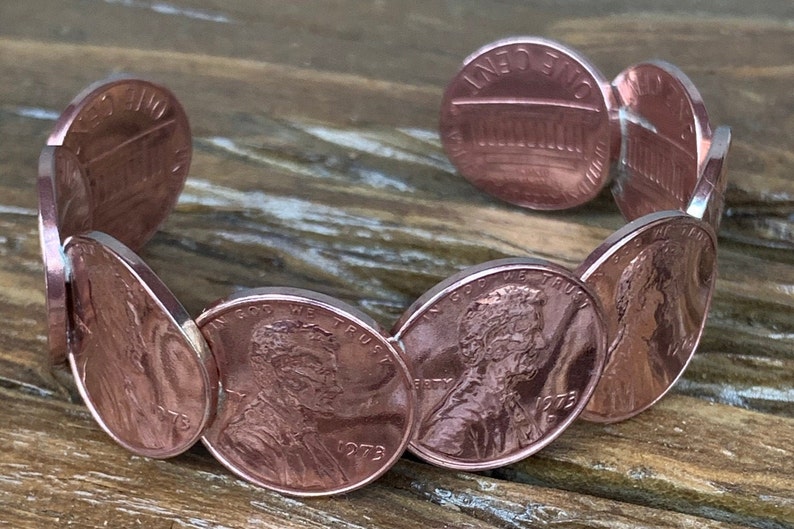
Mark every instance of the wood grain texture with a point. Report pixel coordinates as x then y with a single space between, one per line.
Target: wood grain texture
317 165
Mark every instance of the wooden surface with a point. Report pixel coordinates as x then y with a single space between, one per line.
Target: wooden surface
317 165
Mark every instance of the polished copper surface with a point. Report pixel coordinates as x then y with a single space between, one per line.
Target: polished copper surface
305 395
665 134
708 199
63 211
527 121
655 277
133 139
140 362
505 356
315 399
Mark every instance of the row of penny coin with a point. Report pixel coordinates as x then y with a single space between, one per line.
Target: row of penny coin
301 393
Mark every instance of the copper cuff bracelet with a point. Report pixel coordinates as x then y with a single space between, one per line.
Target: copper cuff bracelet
301 393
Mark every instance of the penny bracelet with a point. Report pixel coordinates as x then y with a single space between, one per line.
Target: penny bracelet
301 393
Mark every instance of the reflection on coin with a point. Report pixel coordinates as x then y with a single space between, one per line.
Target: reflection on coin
708 199
133 140
314 399
505 356
665 132
63 211
140 362
655 277
527 121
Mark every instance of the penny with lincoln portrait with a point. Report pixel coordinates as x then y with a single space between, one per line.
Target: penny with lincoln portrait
655 277
504 355
314 398
133 140
140 362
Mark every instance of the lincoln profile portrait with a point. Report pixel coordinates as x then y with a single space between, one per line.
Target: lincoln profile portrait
501 345
651 326
294 366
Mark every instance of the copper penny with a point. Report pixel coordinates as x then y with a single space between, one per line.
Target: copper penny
133 139
527 121
505 356
139 360
315 399
665 132
63 211
708 199
655 277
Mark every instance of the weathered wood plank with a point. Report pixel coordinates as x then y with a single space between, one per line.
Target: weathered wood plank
71 474
711 460
744 380
90 482
510 504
